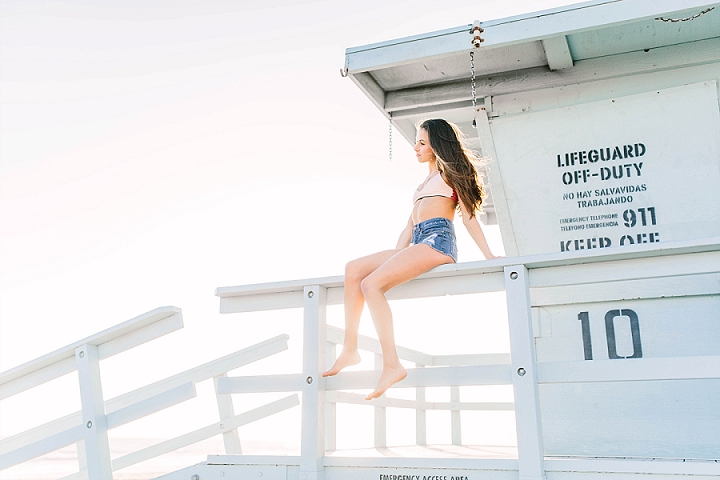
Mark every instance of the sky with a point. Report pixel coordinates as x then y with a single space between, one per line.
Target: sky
153 151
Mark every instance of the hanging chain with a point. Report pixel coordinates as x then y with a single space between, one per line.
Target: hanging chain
390 138
676 20
472 86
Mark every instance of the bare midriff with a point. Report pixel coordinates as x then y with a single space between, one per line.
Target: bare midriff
433 207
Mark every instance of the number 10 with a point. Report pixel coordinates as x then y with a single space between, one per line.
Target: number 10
584 318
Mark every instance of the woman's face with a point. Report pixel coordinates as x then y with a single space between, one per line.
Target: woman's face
423 151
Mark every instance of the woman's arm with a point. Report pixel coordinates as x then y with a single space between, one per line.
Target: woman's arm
405 236
476 232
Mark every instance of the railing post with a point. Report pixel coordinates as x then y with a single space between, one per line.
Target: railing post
420 415
380 415
97 448
524 374
455 428
312 443
330 407
231 439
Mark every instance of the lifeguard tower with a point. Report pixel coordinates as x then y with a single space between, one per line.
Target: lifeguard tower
601 124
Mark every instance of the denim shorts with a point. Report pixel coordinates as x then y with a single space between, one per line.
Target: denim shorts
438 233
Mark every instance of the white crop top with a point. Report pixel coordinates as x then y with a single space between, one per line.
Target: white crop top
435 186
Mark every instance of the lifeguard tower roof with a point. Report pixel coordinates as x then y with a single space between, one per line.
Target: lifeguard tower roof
430 74
565 96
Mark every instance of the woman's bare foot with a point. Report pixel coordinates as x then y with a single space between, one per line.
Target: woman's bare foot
345 359
388 378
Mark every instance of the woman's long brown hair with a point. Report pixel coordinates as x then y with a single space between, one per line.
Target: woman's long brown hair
455 161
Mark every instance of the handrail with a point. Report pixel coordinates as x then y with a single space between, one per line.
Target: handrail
672 269
88 428
114 340
288 294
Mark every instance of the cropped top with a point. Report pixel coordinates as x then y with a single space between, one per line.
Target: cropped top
435 186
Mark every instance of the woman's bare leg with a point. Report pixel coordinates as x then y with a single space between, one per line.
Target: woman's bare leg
401 267
355 273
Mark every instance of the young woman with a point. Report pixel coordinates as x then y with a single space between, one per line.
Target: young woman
427 241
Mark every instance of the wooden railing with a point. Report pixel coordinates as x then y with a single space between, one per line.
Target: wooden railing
88 428
538 360
531 284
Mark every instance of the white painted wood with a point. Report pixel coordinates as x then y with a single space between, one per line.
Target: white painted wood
200 434
31 379
671 419
46 444
335 335
428 462
670 58
82 458
486 270
135 331
649 466
630 370
455 423
557 52
312 443
420 414
330 405
38 448
500 33
647 288
495 176
628 268
419 405
97 448
564 201
524 374
379 415
367 84
151 405
288 382
197 374
558 97
231 439
428 377
471 359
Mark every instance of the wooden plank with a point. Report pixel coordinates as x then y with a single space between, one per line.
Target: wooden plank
632 466
291 382
426 377
42 447
591 70
646 288
550 98
205 432
359 399
424 463
510 31
502 208
626 269
28 451
97 447
482 276
226 409
335 335
471 359
312 442
367 84
202 372
557 52
651 419
172 315
151 405
630 370
524 374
